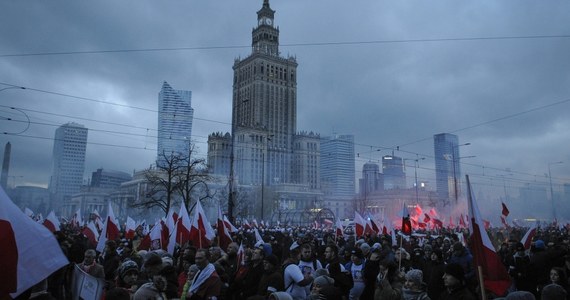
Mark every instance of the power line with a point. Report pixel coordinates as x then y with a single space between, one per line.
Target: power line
314 44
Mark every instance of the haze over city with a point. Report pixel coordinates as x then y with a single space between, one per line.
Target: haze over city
393 74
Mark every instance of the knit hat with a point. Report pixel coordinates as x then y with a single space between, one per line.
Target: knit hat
376 246
553 291
281 296
455 270
272 259
126 267
267 249
415 276
323 280
294 246
365 247
520 295
539 244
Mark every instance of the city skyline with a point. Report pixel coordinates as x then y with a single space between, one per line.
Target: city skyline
392 95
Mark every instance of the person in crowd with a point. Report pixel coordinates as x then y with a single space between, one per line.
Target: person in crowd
252 278
454 281
369 273
519 269
559 277
206 284
414 286
188 278
433 274
553 292
308 263
90 266
388 282
356 267
272 279
294 280
337 271
403 260
319 283
110 260
127 275
151 266
540 264
156 289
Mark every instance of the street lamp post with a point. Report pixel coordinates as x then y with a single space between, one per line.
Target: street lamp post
416 164
551 189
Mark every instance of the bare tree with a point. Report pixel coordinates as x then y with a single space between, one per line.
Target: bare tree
193 178
176 176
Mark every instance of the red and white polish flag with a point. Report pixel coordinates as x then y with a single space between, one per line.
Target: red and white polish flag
339 229
51 222
201 233
231 228
495 275
359 224
29 251
110 230
528 236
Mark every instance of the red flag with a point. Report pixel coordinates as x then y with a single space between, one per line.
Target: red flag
90 231
51 222
505 211
183 226
229 225
223 235
427 218
451 225
245 224
110 229
406 223
418 210
29 251
130 228
201 232
528 236
496 277
432 212
359 224
437 223
374 226
504 221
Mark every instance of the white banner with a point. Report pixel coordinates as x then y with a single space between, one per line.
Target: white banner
85 286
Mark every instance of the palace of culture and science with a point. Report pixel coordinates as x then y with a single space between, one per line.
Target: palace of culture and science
280 165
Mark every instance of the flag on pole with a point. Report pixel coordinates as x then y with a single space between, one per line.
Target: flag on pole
406 222
130 228
419 210
427 219
374 226
505 210
29 251
359 224
90 231
528 236
240 256
51 222
110 230
462 222
223 235
495 275
201 232
183 225
258 240
231 228
245 224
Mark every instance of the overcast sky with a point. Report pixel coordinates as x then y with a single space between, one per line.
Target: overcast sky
393 73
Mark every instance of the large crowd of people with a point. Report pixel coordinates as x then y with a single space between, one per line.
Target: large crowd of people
304 263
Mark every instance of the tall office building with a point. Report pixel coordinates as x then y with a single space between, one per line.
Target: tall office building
307 160
338 166
109 179
175 115
264 113
69 149
447 168
372 180
393 169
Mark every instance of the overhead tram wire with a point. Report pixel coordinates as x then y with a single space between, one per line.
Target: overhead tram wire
313 44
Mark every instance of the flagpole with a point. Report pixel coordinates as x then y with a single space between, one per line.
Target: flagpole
400 260
481 282
200 236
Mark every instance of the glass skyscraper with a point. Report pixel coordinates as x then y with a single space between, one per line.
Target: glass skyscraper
69 149
338 166
447 169
175 115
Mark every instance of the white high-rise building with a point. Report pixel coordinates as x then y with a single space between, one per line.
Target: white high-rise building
68 162
175 115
